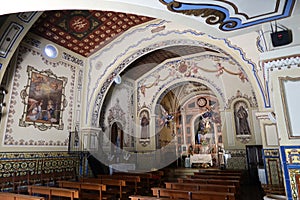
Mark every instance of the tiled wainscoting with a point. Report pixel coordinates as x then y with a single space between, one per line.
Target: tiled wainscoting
19 165
291 163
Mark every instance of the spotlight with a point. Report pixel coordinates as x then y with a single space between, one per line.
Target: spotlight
3 90
118 79
51 51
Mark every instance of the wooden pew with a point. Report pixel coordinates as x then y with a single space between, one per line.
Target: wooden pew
14 196
186 194
130 180
110 184
223 177
53 191
139 197
215 171
201 187
273 189
146 177
225 173
83 186
236 183
212 181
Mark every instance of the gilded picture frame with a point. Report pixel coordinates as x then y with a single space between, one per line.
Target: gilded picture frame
290 103
44 100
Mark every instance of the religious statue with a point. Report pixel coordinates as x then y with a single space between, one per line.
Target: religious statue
242 119
144 127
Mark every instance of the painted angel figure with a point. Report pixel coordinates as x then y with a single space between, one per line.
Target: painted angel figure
165 118
34 112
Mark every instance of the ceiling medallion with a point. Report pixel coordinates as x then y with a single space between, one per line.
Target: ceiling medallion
222 13
202 101
79 24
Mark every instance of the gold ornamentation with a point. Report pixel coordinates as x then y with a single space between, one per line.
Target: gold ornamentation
292 156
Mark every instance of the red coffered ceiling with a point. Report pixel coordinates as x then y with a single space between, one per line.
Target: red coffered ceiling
83 31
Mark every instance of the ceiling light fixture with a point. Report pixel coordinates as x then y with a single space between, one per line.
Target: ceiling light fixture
51 51
118 79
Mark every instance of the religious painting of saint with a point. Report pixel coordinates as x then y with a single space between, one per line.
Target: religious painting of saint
241 118
44 100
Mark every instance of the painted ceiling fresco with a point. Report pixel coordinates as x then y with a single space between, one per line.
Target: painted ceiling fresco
83 31
86 31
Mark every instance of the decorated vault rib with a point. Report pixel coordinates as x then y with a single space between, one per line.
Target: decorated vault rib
228 15
128 60
188 69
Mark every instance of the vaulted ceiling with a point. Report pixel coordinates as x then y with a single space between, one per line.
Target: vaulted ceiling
84 31
87 31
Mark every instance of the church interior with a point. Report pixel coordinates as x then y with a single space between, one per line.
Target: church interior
92 88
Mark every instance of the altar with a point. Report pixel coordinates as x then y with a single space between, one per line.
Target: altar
121 167
201 159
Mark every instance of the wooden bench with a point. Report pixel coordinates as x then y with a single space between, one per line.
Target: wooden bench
53 191
223 177
147 179
110 184
225 173
140 197
273 189
130 180
14 196
83 186
201 187
236 183
186 194
234 171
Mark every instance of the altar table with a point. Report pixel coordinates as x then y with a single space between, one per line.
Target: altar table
201 158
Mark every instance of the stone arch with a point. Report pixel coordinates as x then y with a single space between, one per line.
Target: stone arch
231 52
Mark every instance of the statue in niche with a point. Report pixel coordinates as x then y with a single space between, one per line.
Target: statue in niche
145 125
242 124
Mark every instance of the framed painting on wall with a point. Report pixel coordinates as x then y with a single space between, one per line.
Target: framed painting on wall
44 100
290 96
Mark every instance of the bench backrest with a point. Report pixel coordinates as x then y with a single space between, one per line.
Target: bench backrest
13 196
236 183
110 182
228 177
53 191
200 187
82 185
128 178
185 194
221 173
140 174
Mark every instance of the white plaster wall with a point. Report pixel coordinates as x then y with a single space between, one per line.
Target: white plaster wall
15 137
281 63
121 95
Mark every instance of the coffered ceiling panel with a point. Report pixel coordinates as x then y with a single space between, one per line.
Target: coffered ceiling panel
83 31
